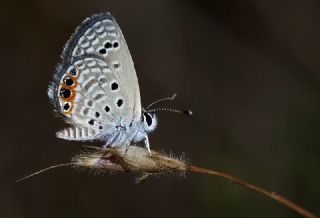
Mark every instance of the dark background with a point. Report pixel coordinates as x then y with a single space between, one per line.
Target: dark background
248 69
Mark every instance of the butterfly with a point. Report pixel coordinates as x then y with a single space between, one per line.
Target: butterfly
96 89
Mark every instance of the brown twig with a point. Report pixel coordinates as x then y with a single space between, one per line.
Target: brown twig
137 160
272 195
45 169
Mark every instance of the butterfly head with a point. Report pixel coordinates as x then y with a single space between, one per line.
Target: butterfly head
149 120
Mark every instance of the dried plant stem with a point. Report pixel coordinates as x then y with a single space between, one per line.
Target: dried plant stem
272 195
45 169
137 160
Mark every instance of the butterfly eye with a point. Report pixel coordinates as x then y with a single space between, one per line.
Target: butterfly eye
68 81
73 72
148 118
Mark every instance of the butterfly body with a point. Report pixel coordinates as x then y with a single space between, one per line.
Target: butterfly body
96 87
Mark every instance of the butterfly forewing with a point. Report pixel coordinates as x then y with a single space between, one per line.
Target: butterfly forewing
96 85
100 35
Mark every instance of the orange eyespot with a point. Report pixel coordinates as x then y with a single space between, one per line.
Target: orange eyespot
67 108
67 94
73 72
68 81
67 91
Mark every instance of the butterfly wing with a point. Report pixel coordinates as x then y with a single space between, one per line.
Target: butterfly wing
96 85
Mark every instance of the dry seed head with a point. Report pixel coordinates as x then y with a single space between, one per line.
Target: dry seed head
134 159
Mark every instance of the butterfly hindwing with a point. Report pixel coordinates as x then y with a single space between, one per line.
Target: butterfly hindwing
89 95
77 133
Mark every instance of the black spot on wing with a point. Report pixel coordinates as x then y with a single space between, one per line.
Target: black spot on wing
115 44
103 51
73 72
120 102
80 30
66 106
107 108
114 86
108 45
68 81
65 93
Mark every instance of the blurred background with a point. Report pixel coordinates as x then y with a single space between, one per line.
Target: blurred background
248 69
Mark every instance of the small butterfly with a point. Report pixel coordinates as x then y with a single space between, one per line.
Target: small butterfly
95 87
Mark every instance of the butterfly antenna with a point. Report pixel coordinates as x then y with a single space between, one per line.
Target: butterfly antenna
184 112
46 169
162 99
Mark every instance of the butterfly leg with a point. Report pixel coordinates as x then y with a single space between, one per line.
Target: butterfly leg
113 140
147 144
141 178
